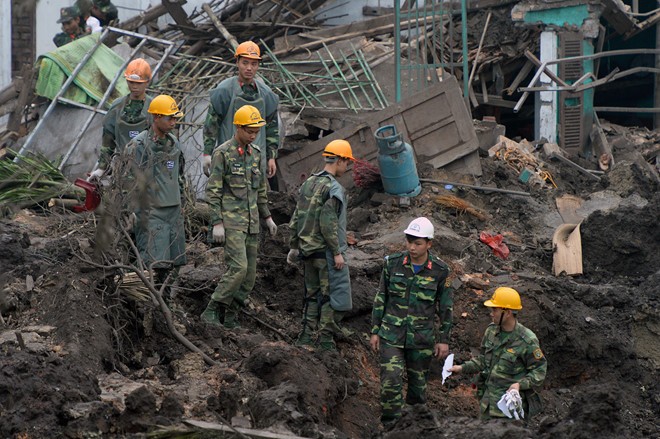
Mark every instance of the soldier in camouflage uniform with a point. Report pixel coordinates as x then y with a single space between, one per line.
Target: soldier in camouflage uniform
156 165
70 19
236 193
510 358
414 289
231 94
127 117
105 12
318 235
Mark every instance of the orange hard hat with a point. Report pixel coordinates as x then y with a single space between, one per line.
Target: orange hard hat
138 70
338 148
248 49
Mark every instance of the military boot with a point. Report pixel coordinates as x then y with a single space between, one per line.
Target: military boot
231 317
342 332
213 313
310 322
327 327
326 342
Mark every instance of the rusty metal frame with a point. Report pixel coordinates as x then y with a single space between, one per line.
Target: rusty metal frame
543 68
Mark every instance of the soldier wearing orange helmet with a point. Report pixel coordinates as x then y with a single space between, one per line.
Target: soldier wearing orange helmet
127 117
246 88
318 237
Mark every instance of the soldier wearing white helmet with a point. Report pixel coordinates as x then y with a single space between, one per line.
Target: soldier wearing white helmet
414 290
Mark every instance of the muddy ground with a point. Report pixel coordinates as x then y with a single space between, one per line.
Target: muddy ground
83 358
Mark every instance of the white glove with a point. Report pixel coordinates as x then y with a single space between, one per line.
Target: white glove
206 164
292 257
511 405
272 227
96 175
131 222
219 233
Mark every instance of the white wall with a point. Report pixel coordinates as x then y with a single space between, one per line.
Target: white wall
5 43
350 10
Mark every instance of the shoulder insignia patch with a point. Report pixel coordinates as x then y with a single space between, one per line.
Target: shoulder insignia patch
447 283
538 354
511 351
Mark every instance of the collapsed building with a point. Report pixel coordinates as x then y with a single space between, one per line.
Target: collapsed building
542 70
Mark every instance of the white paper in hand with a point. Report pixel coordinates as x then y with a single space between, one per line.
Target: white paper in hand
449 362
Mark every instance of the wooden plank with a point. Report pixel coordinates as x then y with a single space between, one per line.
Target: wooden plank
567 250
567 205
435 123
180 16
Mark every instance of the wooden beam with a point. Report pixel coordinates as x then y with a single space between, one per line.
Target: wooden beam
179 15
218 25
24 98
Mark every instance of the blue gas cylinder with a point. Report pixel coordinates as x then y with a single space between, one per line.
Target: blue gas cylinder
396 160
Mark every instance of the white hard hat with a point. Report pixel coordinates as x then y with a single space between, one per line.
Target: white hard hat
420 227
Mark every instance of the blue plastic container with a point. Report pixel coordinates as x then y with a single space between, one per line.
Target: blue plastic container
396 160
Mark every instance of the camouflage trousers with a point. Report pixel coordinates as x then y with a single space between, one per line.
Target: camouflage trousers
160 236
317 298
392 362
241 259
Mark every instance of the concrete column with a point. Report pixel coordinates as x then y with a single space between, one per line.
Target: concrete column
546 104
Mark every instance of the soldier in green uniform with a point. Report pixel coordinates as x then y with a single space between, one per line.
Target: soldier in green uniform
70 20
318 235
237 194
105 12
414 289
510 359
231 94
127 117
155 164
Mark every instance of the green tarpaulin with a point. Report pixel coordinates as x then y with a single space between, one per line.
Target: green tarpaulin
91 82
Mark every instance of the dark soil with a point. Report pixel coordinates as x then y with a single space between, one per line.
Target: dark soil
82 358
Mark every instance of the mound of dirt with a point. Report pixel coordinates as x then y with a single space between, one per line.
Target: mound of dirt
88 353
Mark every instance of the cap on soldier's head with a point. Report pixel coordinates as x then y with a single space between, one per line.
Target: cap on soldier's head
67 14
421 228
101 2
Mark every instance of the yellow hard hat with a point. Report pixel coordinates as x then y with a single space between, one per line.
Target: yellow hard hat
248 116
248 49
165 105
138 70
504 297
338 148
